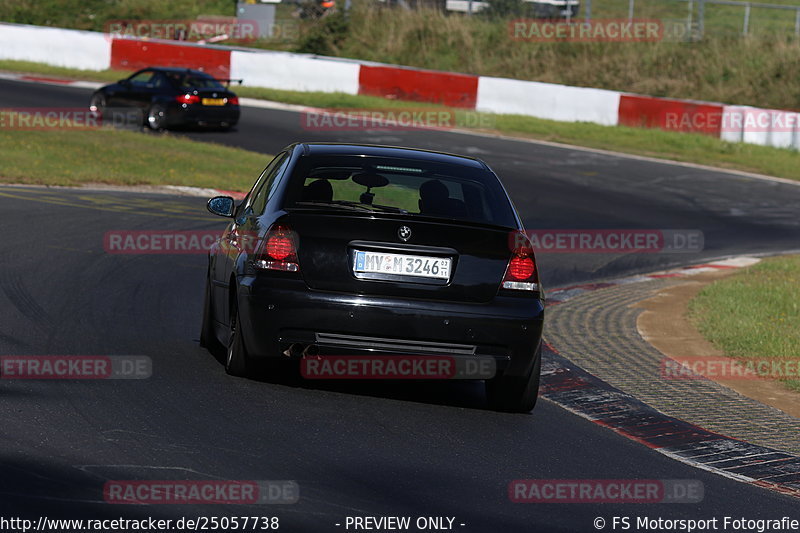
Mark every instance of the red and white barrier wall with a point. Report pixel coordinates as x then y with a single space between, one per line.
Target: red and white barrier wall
548 100
768 127
54 46
404 83
294 72
668 114
133 54
303 72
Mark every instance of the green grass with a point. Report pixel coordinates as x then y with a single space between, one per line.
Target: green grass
42 69
74 157
754 314
691 148
760 70
94 15
328 100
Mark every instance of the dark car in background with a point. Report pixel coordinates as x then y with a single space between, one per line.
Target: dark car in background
355 249
171 97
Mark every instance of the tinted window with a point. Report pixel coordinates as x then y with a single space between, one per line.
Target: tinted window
267 186
142 78
193 81
406 186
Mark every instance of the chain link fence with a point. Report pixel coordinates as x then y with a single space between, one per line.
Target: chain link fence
707 17
699 17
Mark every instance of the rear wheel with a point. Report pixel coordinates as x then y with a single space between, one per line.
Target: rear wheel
156 117
237 362
515 394
98 103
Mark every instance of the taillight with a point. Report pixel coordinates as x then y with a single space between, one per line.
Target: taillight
278 250
187 98
233 100
521 268
521 274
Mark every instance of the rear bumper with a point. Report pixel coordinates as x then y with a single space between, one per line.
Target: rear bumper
195 115
276 313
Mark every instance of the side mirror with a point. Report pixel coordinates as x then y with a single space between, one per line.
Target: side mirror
221 205
124 82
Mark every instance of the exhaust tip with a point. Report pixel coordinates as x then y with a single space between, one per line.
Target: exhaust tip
295 350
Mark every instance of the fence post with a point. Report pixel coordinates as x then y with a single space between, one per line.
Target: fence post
587 13
746 18
630 9
701 17
797 23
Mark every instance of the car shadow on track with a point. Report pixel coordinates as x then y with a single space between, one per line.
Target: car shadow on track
455 393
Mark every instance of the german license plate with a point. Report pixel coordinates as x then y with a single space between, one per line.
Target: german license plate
402 264
213 101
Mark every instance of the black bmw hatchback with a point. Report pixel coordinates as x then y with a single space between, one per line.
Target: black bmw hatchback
357 251
171 97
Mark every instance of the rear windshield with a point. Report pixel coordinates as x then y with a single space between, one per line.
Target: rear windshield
193 81
403 186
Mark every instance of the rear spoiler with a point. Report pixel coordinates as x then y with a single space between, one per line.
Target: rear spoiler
228 81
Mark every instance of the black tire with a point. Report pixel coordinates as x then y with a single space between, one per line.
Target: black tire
237 362
516 394
208 338
97 102
97 105
156 118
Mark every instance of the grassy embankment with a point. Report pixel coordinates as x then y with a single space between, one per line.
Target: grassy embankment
73 157
755 313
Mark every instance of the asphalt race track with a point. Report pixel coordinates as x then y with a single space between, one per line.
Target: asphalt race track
355 450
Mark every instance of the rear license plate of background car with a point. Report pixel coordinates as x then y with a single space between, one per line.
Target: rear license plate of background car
402 264
213 101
